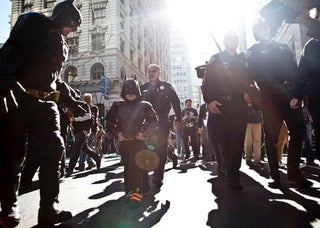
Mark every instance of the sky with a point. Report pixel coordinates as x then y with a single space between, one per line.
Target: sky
199 19
202 20
5 11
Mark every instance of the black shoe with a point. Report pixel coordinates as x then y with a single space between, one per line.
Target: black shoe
98 162
187 156
274 184
174 162
299 180
236 186
68 173
90 166
10 218
25 186
80 168
52 216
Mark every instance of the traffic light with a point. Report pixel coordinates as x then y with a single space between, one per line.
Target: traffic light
104 84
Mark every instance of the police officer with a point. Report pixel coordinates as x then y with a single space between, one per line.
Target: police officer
225 83
307 82
30 85
162 96
272 66
189 129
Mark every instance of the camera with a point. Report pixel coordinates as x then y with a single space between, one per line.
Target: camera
201 71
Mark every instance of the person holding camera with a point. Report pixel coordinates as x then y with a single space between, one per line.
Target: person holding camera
189 126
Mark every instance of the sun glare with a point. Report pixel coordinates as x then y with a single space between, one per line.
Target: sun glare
202 19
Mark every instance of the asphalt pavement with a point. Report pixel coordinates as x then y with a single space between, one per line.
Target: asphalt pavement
192 196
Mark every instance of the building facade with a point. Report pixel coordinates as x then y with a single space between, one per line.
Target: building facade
180 76
117 39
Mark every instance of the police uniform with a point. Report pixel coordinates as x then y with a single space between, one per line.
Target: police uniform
33 56
307 82
225 81
272 66
162 96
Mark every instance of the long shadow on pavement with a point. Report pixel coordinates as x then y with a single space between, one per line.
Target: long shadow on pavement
259 206
117 213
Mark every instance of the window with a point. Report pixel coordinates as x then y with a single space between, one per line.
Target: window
49 3
73 43
122 45
99 13
70 74
98 42
26 6
97 70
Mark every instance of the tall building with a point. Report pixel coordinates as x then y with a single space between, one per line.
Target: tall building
117 39
180 75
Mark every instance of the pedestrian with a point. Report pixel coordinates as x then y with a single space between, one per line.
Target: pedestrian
252 140
207 152
30 86
272 66
308 145
87 97
189 129
282 143
162 96
225 83
128 121
82 128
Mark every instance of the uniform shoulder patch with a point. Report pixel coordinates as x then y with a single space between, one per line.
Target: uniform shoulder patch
145 104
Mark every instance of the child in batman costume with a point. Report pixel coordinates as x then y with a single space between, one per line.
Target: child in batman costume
131 121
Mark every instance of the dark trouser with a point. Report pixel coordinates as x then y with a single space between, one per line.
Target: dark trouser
134 177
213 141
308 143
314 107
80 144
275 110
41 120
162 150
190 132
229 128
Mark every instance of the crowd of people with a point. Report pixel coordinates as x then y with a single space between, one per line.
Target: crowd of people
248 100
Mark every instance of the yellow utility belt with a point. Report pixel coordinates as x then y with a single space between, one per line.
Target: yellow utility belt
48 96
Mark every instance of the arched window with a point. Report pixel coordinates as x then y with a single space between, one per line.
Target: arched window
96 71
70 74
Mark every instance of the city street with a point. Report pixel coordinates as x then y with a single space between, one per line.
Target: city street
191 196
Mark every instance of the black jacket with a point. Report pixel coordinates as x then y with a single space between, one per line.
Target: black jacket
226 75
130 118
162 96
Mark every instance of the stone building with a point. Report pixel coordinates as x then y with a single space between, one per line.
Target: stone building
117 39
